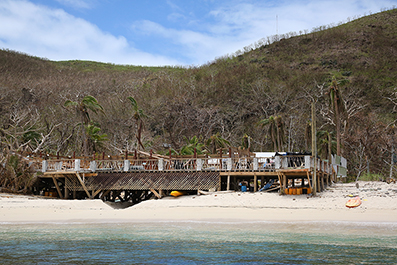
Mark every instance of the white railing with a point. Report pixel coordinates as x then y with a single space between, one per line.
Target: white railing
187 164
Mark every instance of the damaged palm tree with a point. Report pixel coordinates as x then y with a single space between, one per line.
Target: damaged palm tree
82 108
338 107
216 141
138 116
276 131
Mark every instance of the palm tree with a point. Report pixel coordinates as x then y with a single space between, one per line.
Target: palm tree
216 141
324 146
138 116
276 131
82 109
191 144
246 141
96 138
338 107
280 133
272 129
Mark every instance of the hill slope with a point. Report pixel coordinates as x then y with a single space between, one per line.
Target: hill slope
228 96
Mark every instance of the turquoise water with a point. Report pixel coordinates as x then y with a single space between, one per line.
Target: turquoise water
199 243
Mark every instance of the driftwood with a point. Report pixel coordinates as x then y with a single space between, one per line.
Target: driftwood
274 188
202 192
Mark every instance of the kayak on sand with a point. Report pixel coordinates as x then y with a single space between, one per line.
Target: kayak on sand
354 202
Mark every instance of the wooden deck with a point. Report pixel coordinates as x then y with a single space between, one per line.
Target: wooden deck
142 178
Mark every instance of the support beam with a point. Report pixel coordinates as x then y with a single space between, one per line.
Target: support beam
104 194
228 182
83 185
95 193
155 193
57 186
281 182
255 183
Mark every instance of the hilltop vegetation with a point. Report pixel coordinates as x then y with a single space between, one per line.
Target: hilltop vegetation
227 97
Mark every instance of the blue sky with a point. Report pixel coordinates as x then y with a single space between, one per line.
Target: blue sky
161 32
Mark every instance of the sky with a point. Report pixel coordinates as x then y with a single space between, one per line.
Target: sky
162 32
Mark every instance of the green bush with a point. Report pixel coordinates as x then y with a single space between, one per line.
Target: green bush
370 177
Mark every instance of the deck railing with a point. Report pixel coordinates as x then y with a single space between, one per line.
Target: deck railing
187 164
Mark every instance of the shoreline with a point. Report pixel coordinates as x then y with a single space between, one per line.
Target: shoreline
379 207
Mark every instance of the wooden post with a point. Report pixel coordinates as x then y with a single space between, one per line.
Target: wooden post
220 159
314 150
195 158
228 182
126 154
230 152
57 154
321 181
103 155
308 180
135 155
329 155
255 183
326 174
66 196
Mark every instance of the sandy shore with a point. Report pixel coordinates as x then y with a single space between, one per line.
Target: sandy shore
379 204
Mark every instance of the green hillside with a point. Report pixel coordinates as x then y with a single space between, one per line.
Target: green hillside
227 97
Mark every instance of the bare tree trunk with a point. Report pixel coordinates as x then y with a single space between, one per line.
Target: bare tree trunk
337 122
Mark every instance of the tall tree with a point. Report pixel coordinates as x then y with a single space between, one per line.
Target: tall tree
308 134
276 131
338 107
88 103
138 116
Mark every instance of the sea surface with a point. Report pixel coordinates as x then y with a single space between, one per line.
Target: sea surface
199 243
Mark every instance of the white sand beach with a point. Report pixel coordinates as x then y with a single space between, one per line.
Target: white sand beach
379 204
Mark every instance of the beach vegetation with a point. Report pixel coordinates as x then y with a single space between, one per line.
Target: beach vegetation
16 174
371 177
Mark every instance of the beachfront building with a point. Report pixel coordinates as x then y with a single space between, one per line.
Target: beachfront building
139 176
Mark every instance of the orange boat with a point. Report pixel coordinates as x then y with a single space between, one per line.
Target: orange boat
176 193
353 202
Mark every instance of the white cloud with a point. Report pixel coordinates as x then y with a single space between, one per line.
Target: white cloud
79 4
57 35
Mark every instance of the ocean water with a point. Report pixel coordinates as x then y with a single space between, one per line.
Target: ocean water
199 243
